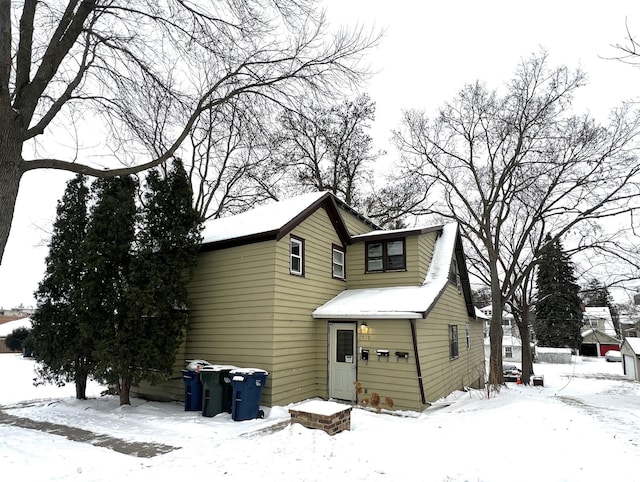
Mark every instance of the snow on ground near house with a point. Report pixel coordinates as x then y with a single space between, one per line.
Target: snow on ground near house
583 425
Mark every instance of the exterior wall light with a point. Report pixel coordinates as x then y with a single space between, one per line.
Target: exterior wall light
364 329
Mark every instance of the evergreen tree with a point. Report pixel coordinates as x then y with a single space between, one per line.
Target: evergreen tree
15 340
558 307
168 242
59 345
141 295
107 253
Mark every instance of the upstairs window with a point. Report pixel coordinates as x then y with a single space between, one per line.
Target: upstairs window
296 265
386 255
337 262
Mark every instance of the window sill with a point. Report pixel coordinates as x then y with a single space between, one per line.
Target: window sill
404 270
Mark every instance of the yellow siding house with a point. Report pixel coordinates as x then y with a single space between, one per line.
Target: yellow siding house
333 307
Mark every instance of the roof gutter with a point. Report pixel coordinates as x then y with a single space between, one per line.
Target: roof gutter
416 355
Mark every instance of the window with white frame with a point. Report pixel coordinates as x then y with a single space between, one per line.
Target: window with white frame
453 341
508 352
296 265
468 338
337 262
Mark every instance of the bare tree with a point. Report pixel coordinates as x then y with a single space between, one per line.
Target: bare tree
231 165
328 148
142 72
513 167
629 52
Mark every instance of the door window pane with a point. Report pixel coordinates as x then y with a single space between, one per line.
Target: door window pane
344 346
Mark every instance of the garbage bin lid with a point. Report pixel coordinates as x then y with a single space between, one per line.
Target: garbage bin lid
248 371
196 365
217 368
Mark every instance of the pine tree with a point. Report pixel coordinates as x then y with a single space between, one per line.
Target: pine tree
59 345
558 307
168 243
107 253
153 311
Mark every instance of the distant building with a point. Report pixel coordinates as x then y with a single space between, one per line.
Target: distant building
598 318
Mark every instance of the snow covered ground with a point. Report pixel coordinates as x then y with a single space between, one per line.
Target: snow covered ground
583 425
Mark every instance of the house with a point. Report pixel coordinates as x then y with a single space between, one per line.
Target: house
7 325
511 348
630 351
598 318
509 327
599 334
316 294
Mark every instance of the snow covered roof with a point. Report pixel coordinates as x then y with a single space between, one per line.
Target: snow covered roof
274 220
481 314
598 311
8 327
634 343
398 301
599 336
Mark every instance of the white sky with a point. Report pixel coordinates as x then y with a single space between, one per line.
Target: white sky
430 50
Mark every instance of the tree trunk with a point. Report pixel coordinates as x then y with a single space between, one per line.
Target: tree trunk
10 174
124 390
527 358
81 386
81 375
495 330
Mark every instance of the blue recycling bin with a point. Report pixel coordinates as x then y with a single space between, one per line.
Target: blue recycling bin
216 389
193 385
247 384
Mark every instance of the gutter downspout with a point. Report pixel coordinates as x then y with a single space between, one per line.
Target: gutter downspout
414 338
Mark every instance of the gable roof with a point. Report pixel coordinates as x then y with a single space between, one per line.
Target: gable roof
599 336
274 220
404 301
634 343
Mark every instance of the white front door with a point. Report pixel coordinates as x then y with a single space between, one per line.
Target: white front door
342 361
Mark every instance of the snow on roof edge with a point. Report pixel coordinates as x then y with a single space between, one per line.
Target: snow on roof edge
397 301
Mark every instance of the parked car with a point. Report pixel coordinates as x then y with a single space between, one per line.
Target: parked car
511 373
613 355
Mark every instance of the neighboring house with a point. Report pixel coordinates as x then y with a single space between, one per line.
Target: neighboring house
630 351
597 343
313 292
511 348
7 325
598 318
509 327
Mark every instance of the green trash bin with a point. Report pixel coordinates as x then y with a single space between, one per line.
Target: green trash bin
215 388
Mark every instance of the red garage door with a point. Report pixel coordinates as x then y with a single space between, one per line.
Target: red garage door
605 348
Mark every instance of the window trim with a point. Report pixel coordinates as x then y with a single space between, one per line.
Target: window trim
468 329
454 348
300 241
340 249
385 256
